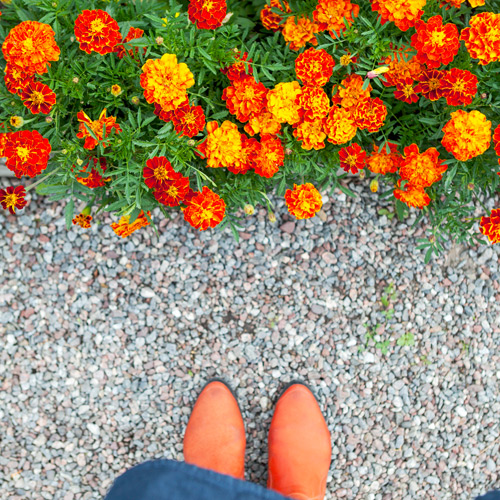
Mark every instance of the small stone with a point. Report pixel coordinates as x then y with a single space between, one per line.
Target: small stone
461 411
288 227
94 429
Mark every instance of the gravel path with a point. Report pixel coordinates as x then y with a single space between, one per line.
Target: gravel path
104 344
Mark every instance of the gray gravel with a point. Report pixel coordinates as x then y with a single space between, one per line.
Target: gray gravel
104 344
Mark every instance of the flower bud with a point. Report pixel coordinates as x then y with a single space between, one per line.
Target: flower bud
16 121
377 71
484 95
191 142
79 162
374 186
432 239
49 119
116 90
272 217
76 79
249 209
64 151
159 40
470 186
135 100
288 151
362 174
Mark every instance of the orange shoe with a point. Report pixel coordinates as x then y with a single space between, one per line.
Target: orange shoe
300 449
215 434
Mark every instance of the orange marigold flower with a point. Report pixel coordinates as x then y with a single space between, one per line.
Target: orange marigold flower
166 116
97 31
413 196
382 161
271 156
352 158
281 102
223 145
12 198
329 15
421 169
94 178
299 33
404 13
82 220
245 98
250 151
30 46
173 192
205 209
158 172
3 141
430 84
165 81
405 91
16 79
303 201
27 152
188 120
482 37
459 86
490 226
436 44
269 19
401 66
311 134
451 3
314 67
496 142
467 135
237 70
207 14
265 123
38 97
370 114
313 103
96 126
133 34
339 126
350 91
125 228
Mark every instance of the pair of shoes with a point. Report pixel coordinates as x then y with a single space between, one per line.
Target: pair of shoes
299 441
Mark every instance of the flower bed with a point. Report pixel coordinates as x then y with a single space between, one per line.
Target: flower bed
207 106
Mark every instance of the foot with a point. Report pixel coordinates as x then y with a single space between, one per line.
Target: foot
215 434
299 446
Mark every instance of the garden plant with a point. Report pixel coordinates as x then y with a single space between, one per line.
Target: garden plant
147 108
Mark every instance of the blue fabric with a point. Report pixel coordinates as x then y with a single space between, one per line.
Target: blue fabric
492 495
169 480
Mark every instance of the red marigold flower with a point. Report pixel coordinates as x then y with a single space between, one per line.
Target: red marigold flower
158 172
303 201
421 169
82 220
125 228
459 86
38 97
188 120
329 15
496 142
352 158
3 141
369 114
205 209
94 178
133 34
245 98
382 161
166 116
30 46
436 44
299 33
237 70
172 192
12 198
250 151
207 14
311 133
96 126
430 84
413 196
27 152
16 79
314 67
405 91
482 38
313 104
271 157
490 226
269 19
404 13
97 31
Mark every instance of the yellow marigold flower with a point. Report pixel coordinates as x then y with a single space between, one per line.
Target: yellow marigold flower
339 126
467 135
281 102
345 60
299 33
223 146
165 81
116 90
249 209
311 134
16 121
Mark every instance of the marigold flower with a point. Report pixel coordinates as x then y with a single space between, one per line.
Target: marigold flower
313 104
436 43
352 158
206 209
496 141
31 46
265 123
249 209
404 13
237 70
421 169
329 15
490 226
125 228
430 84
350 91
165 81
374 186
299 33
97 31
413 196
166 116
314 67
16 79
3 141
94 178
401 65
133 34
223 145
245 98
269 19
207 14
250 152
339 126
466 135
83 220
382 161
158 172
370 114
188 120
311 134
96 126
16 121
482 37
12 198
173 192
271 156
27 152
405 91
303 201
459 86
38 97
116 90
281 102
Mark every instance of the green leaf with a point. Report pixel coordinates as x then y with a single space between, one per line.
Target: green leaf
401 209
347 191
